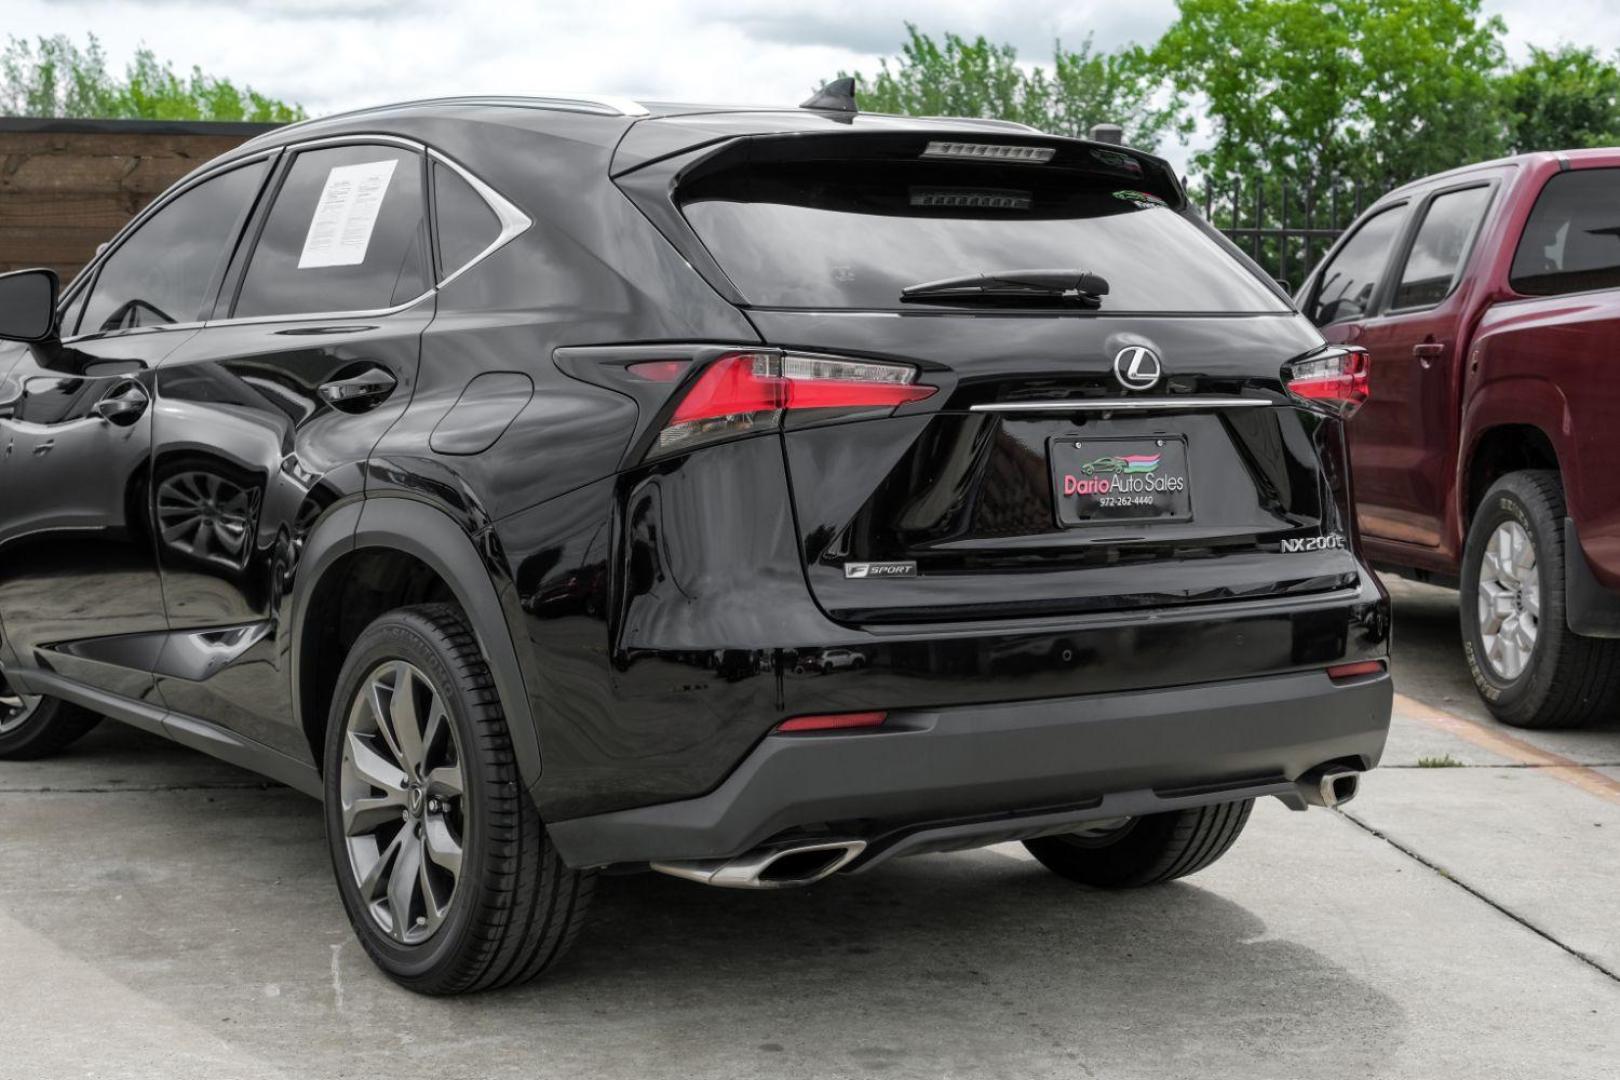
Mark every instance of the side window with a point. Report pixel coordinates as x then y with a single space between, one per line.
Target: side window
347 232
1572 241
467 225
164 272
1437 251
1348 282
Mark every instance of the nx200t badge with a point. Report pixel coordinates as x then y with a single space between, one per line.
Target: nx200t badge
1137 367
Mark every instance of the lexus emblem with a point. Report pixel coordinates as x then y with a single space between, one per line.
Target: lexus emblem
1137 367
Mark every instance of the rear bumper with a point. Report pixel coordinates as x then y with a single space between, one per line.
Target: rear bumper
976 774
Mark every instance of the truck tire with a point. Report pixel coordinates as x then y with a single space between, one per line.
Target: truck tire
1531 669
1145 850
444 866
36 727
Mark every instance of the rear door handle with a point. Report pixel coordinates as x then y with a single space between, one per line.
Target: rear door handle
359 393
1429 350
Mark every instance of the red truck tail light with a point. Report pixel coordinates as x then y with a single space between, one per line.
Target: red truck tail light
1335 380
751 391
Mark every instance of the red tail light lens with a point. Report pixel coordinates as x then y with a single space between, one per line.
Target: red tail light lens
743 392
1336 381
832 722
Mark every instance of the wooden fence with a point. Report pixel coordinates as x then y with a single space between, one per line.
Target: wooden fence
66 186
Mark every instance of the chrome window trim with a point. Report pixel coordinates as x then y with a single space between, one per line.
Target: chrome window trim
1184 404
514 222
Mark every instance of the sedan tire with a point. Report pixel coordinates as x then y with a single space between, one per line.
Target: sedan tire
35 727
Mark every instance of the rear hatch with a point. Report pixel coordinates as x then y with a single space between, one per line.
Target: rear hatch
1050 471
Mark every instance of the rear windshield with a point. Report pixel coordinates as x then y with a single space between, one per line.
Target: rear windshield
852 234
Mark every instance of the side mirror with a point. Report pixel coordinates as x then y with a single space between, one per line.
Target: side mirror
28 305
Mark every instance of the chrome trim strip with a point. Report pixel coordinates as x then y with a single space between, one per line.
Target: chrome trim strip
1185 404
513 221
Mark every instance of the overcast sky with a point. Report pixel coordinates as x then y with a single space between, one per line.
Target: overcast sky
330 55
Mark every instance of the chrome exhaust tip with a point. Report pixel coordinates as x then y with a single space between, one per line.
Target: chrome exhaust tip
1329 785
781 867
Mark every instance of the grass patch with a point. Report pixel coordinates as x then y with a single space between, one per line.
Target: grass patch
1444 761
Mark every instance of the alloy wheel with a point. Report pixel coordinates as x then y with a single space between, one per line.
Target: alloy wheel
206 516
402 800
1509 600
15 707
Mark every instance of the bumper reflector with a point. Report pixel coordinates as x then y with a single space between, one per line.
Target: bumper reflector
832 722
1359 668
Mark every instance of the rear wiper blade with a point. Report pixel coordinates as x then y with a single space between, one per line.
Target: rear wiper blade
1073 285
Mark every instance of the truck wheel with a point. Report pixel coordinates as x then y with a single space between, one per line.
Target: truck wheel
35 727
1146 850
1532 671
444 866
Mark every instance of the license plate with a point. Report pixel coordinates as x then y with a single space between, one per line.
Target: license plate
1108 480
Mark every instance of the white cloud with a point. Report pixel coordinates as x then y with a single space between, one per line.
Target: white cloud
331 55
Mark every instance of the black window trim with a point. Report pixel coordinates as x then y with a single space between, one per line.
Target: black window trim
1409 241
1564 167
85 282
1375 305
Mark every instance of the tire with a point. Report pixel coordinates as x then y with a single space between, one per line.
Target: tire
1147 850
1558 679
38 727
514 908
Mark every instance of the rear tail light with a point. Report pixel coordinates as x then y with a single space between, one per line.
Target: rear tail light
1335 381
832 722
744 392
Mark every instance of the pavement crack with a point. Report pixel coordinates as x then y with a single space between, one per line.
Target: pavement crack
1590 962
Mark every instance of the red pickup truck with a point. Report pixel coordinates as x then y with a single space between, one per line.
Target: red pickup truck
1488 457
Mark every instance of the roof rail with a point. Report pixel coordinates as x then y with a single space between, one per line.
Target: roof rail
599 104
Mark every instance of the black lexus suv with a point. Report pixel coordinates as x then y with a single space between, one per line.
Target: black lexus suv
555 486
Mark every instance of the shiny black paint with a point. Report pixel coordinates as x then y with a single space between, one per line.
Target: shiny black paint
240 408
648 621
77 552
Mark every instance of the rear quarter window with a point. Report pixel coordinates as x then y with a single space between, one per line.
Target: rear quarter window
853 234
1571 242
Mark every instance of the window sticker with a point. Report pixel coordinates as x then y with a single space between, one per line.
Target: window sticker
340 231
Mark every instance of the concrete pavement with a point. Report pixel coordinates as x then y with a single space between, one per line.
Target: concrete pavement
163 915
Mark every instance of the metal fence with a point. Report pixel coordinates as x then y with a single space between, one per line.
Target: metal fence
1282 227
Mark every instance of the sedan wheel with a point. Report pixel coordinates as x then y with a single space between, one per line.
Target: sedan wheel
1509 600
402 794
15 708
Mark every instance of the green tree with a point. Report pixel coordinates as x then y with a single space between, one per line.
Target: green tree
1384 90
958 77
53 77
1562 100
